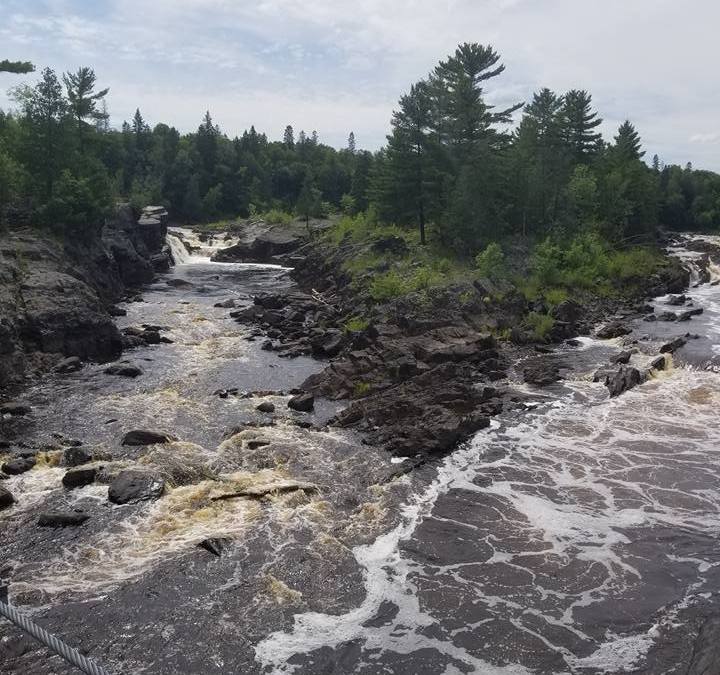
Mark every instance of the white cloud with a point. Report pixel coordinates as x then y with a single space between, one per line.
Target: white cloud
337 65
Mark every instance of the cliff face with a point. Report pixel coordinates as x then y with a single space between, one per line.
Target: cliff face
55 295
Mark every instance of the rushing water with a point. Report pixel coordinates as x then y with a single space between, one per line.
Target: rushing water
579 536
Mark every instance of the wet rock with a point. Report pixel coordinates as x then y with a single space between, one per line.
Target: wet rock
215 545
6 498
267 346
15 467
76 456
302 402
146 437
261 491
623 357
658 363
612 329
650 318
541 372
133 486
62 519
117 311
677 300
15 408
262 249
226 304
706 650
265 407
79 478
673 345
568 311
179 283
624 379
160 262
667 316
70 365
123 370
686 316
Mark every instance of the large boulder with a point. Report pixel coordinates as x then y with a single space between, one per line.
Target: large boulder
76 456
623 379
124 370
261 249
302 402
6 498
133 486
79 478
18 465
541 372
62 519
146 437
612 329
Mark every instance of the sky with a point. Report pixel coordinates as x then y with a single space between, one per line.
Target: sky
340 65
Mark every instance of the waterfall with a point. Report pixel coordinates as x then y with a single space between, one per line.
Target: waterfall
177 248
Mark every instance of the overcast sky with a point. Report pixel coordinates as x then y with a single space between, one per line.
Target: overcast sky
340 65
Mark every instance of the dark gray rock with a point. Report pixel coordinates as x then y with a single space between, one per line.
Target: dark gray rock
69 365
262 249
686 316
62 519
124 370
226 304
76 456
146 437
667 316
612 329
622 380
133 486
541 372
302 402
116 311
6 498
15 408
215 545
658 363
79 478
677 300
673 345
623 357
18 465
265 407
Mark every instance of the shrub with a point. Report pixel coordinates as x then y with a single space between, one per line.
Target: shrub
554 296
490 262
388 286
356 324
540 324
278 217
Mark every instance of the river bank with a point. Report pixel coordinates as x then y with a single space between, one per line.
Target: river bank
263 538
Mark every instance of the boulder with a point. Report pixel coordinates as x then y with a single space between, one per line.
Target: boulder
667 316
160 262
15 408
677 300
541 373
302 402
658 363
265 407
623 357
79 478
70 365
124 370
116 311
226 304
6 498
146 437
19 465
133 486
261 249
686 316
673 345
76 456
622 380
62 518
567 311
215 545
612 329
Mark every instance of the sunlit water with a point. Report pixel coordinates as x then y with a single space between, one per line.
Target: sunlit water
569 538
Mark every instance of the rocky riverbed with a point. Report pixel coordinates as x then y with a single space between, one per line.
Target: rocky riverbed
259 485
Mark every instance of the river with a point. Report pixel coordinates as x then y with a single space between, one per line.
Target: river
577 536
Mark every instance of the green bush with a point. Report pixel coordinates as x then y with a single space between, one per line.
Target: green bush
540 324
278 217
490 262
356 324
388 286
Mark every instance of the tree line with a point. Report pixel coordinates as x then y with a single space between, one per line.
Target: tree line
452 164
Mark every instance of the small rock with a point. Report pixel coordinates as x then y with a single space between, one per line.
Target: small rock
6 498
265 407
667 316
117 311
76 456
623 357
14 467
15 408
226 304
302 402
658 363
133 486
612 329
62 519
78 478
541 373
123 370
215 545
624 379
676 300
686 316
267 346
145 437
69 365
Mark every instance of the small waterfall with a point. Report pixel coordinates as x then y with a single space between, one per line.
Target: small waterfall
177 248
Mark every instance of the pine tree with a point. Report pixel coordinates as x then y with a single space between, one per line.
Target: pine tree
627 142
656 164
83 98
579 123
351 143
289 137
309 199
17 67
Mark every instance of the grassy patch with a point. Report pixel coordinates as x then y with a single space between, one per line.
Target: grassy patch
278 217
356 324
540 324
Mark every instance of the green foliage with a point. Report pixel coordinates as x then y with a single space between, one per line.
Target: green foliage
361 389
388 286
79 204
490 262
356 324
17 67
540 324
277 217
